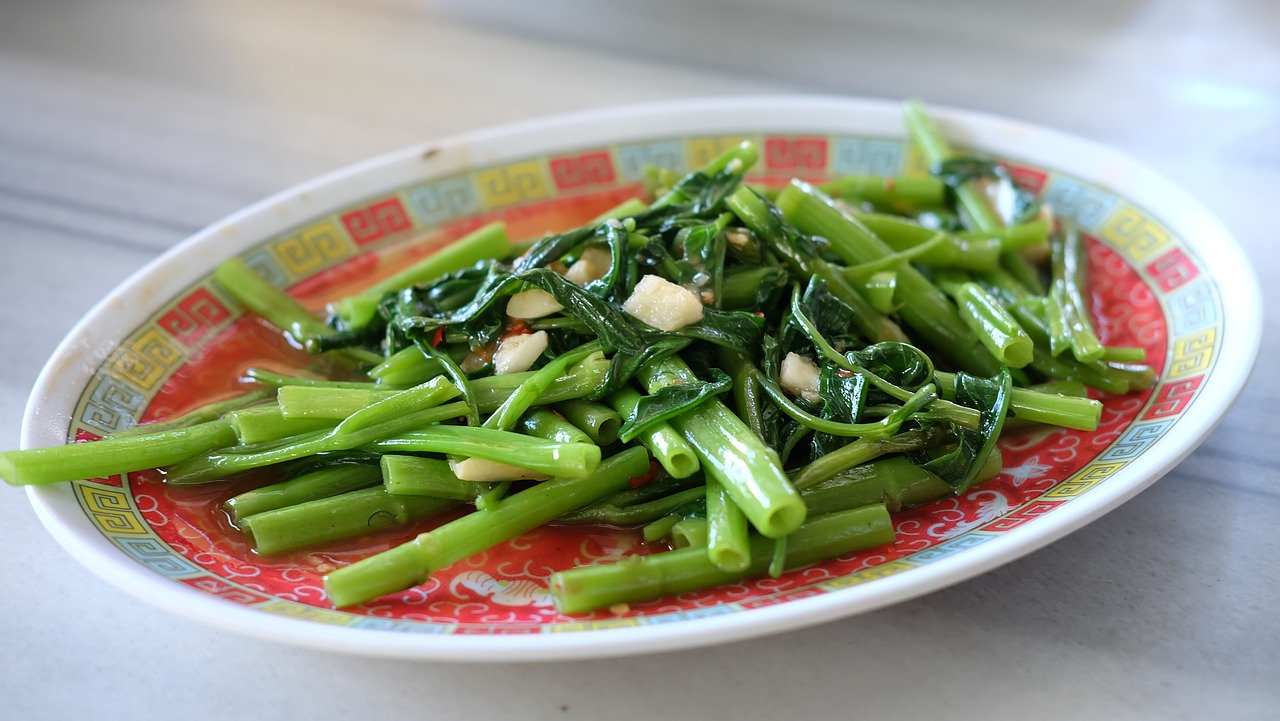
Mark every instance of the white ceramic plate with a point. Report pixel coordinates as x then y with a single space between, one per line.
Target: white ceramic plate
1165 238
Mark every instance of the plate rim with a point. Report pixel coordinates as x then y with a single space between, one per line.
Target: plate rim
46 415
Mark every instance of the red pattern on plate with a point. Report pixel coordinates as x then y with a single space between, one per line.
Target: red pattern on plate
507 584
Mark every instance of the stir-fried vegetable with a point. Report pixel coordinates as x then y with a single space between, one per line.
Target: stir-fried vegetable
755 377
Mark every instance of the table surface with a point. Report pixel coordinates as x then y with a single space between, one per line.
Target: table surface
126 126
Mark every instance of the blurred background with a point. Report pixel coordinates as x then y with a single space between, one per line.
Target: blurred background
127 125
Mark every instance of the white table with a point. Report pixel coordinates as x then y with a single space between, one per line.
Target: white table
125 126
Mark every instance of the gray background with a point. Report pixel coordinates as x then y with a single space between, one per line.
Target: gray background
125 126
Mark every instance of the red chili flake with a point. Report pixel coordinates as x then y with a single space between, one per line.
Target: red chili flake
758 314
516 327
648 477
438 337
844 373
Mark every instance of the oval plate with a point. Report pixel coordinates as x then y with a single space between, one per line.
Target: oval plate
168 337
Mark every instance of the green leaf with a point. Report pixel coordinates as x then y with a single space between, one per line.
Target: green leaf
552 248
833 317
672 401
843 397
959 466
902 364
608 285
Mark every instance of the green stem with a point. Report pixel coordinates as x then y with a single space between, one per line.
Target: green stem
414 476
956 251
924 308
748 396
266 423
689 533
659 528
399 436
404 368
641 578
595 419
870 322
492 496
411 563
895 481
537 385
337 518
900 194
741 287
203 414
253 292
1026 404
732 454
993 325
548 425
970 196
581 380
107 457
881 289
610 514
1069 263
323 483
280 380
564 460
854 454
670 448
727 543
1124 354
429 394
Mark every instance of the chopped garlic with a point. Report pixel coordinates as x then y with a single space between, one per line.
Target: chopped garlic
593 265
480 469
532 303
518 353
799 377
663 304
738 237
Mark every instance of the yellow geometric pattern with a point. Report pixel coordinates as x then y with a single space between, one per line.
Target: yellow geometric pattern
867 574
1135 233
701 151
110 510
146 360
1192 353
313 249
594 625
307 613
511 184
1084 479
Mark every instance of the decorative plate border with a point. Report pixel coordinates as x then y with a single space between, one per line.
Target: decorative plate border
125 383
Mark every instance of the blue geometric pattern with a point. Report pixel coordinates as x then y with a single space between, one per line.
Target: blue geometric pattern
387 624
632 159
1192 307
867 156
942 550
113 406
442 200
1087 205
156 556
1134 441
